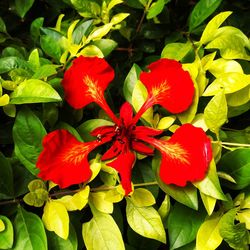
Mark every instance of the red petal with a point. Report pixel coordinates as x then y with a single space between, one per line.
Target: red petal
86 80
124 164
142 148
140 132
64 160
113 151
168 85
126 114
104 131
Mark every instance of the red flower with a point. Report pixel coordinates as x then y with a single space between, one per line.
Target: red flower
64 160
168 85
85 82
185 156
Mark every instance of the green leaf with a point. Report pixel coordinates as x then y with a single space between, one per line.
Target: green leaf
166 122
36 198
100 203
7 235
237 164
34 91
164 208
244 217
6 178
85 128
156 8
139 96
210 185
55 218
11 51
130 82
57 243
91 50
45 71
118 18
29 231
87 8
208 202
72 130
185 195
23 6
215 113
145 221
2 26
183 224
202 10
28 133
4 100
34 60
235 235
106 46
208 236
12 62
239 98
176 51
101 232
35 28
81 30
212 26
141 197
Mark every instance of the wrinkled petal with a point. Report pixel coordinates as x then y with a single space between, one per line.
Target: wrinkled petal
86 80
168 85
185 156
64 160
124 164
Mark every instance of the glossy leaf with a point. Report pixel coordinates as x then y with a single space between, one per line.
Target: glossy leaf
29 231
183 224
6 178
156 8
28 133
239 98
176 51
145 221
208 236
210 185
105 45
55 218
141 197
119 18
130 82
34 91
164 208
101 232
45 71
208 202
100 203
202 10
12 62
7 234
212 26
166 122
237 165
215 113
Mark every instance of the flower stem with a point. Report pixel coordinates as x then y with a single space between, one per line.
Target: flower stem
233 144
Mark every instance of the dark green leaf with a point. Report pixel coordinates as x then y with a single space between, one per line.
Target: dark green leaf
45 71
183 224
57 243
105 45
87 8
130 82
81 30
6 178
156 8
35 28
29 231
235 235
23 6
11 51
237 164
73 131
202 10
28 133
2 26
12 62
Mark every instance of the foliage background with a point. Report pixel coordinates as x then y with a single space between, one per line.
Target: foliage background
36 48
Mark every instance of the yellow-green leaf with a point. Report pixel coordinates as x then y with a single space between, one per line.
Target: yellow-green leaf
102 233
114 195
77 201
139 96
59 22
56 218
100 32
71 29
9 85
2 226
221 66
213 25
145 221
244 217
4 100
91 50
208 236
166 122
100 203
208 202
10 110
113 3
164 208
142 197
239 98
215 113
119 18
199 122
95 166
36 184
